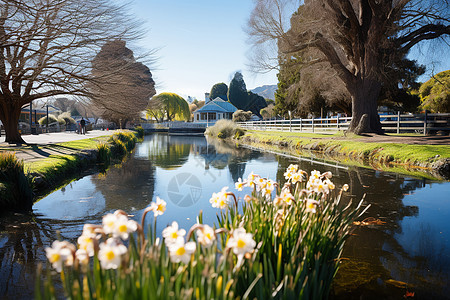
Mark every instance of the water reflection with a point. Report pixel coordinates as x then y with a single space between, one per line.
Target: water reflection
411 247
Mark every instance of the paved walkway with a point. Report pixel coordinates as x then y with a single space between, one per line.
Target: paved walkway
57 137
45 141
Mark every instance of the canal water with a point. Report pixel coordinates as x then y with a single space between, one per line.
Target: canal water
408 253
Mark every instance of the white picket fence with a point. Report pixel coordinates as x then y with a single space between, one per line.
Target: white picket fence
407 123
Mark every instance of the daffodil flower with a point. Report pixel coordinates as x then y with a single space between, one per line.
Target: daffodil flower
86 243
311 206
82 256
111 253
239 185
241 242
158 207
171 233
206 235
181 251
124 227
60 254
109 223
220 200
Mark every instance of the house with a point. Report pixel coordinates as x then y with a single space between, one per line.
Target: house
214 110
38 111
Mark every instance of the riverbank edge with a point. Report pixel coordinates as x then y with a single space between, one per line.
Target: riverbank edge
69 167
349 153
47 180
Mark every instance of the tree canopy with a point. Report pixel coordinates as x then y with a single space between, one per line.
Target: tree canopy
435 93
122 86
219 90
362 42
168 106
46 49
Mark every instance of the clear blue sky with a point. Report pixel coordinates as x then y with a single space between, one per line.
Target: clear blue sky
202 42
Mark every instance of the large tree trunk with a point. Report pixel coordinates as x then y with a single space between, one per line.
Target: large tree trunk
10 119
364 101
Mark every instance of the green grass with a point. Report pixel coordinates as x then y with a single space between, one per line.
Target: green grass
412 159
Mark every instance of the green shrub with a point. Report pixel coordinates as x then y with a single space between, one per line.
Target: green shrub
16 190
118 148
140 131
224 129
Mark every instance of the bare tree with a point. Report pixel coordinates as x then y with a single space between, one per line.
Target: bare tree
46 48
359 38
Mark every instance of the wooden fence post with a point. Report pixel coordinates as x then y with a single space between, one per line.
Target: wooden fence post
312 122
301 124
337 123
398 122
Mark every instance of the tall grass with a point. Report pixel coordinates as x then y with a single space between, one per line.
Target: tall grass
278 242
225 129
15 187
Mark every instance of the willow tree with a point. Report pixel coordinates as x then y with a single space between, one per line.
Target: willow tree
46 49
168 106
359 40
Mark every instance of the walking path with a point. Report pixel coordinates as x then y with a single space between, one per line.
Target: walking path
42 146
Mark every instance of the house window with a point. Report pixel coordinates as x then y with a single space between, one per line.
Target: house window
211 116
198 117
218 116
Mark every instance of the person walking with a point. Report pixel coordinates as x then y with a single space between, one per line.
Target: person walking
83 126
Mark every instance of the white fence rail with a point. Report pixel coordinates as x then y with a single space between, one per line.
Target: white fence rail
409 123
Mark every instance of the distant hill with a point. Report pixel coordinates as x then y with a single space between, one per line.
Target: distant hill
266 91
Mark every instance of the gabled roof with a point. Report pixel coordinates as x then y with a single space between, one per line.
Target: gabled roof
218 105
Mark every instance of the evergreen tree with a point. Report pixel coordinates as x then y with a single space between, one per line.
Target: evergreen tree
219 90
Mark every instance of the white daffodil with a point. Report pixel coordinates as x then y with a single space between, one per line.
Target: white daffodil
315 174
345 187
330 184
110 254
296 177
252 177
86 243
247 198
124 227
311 206
158 207
239 185
270 185
181 251
260 183
206 235
109 223
285 198
59 254
171 233
220 200
241 242
82 256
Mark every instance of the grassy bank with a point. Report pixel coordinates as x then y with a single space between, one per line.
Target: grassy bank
58 163
417 160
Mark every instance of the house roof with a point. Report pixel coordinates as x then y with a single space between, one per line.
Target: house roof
218 105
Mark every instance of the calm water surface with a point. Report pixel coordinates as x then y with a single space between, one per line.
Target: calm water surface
412 247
